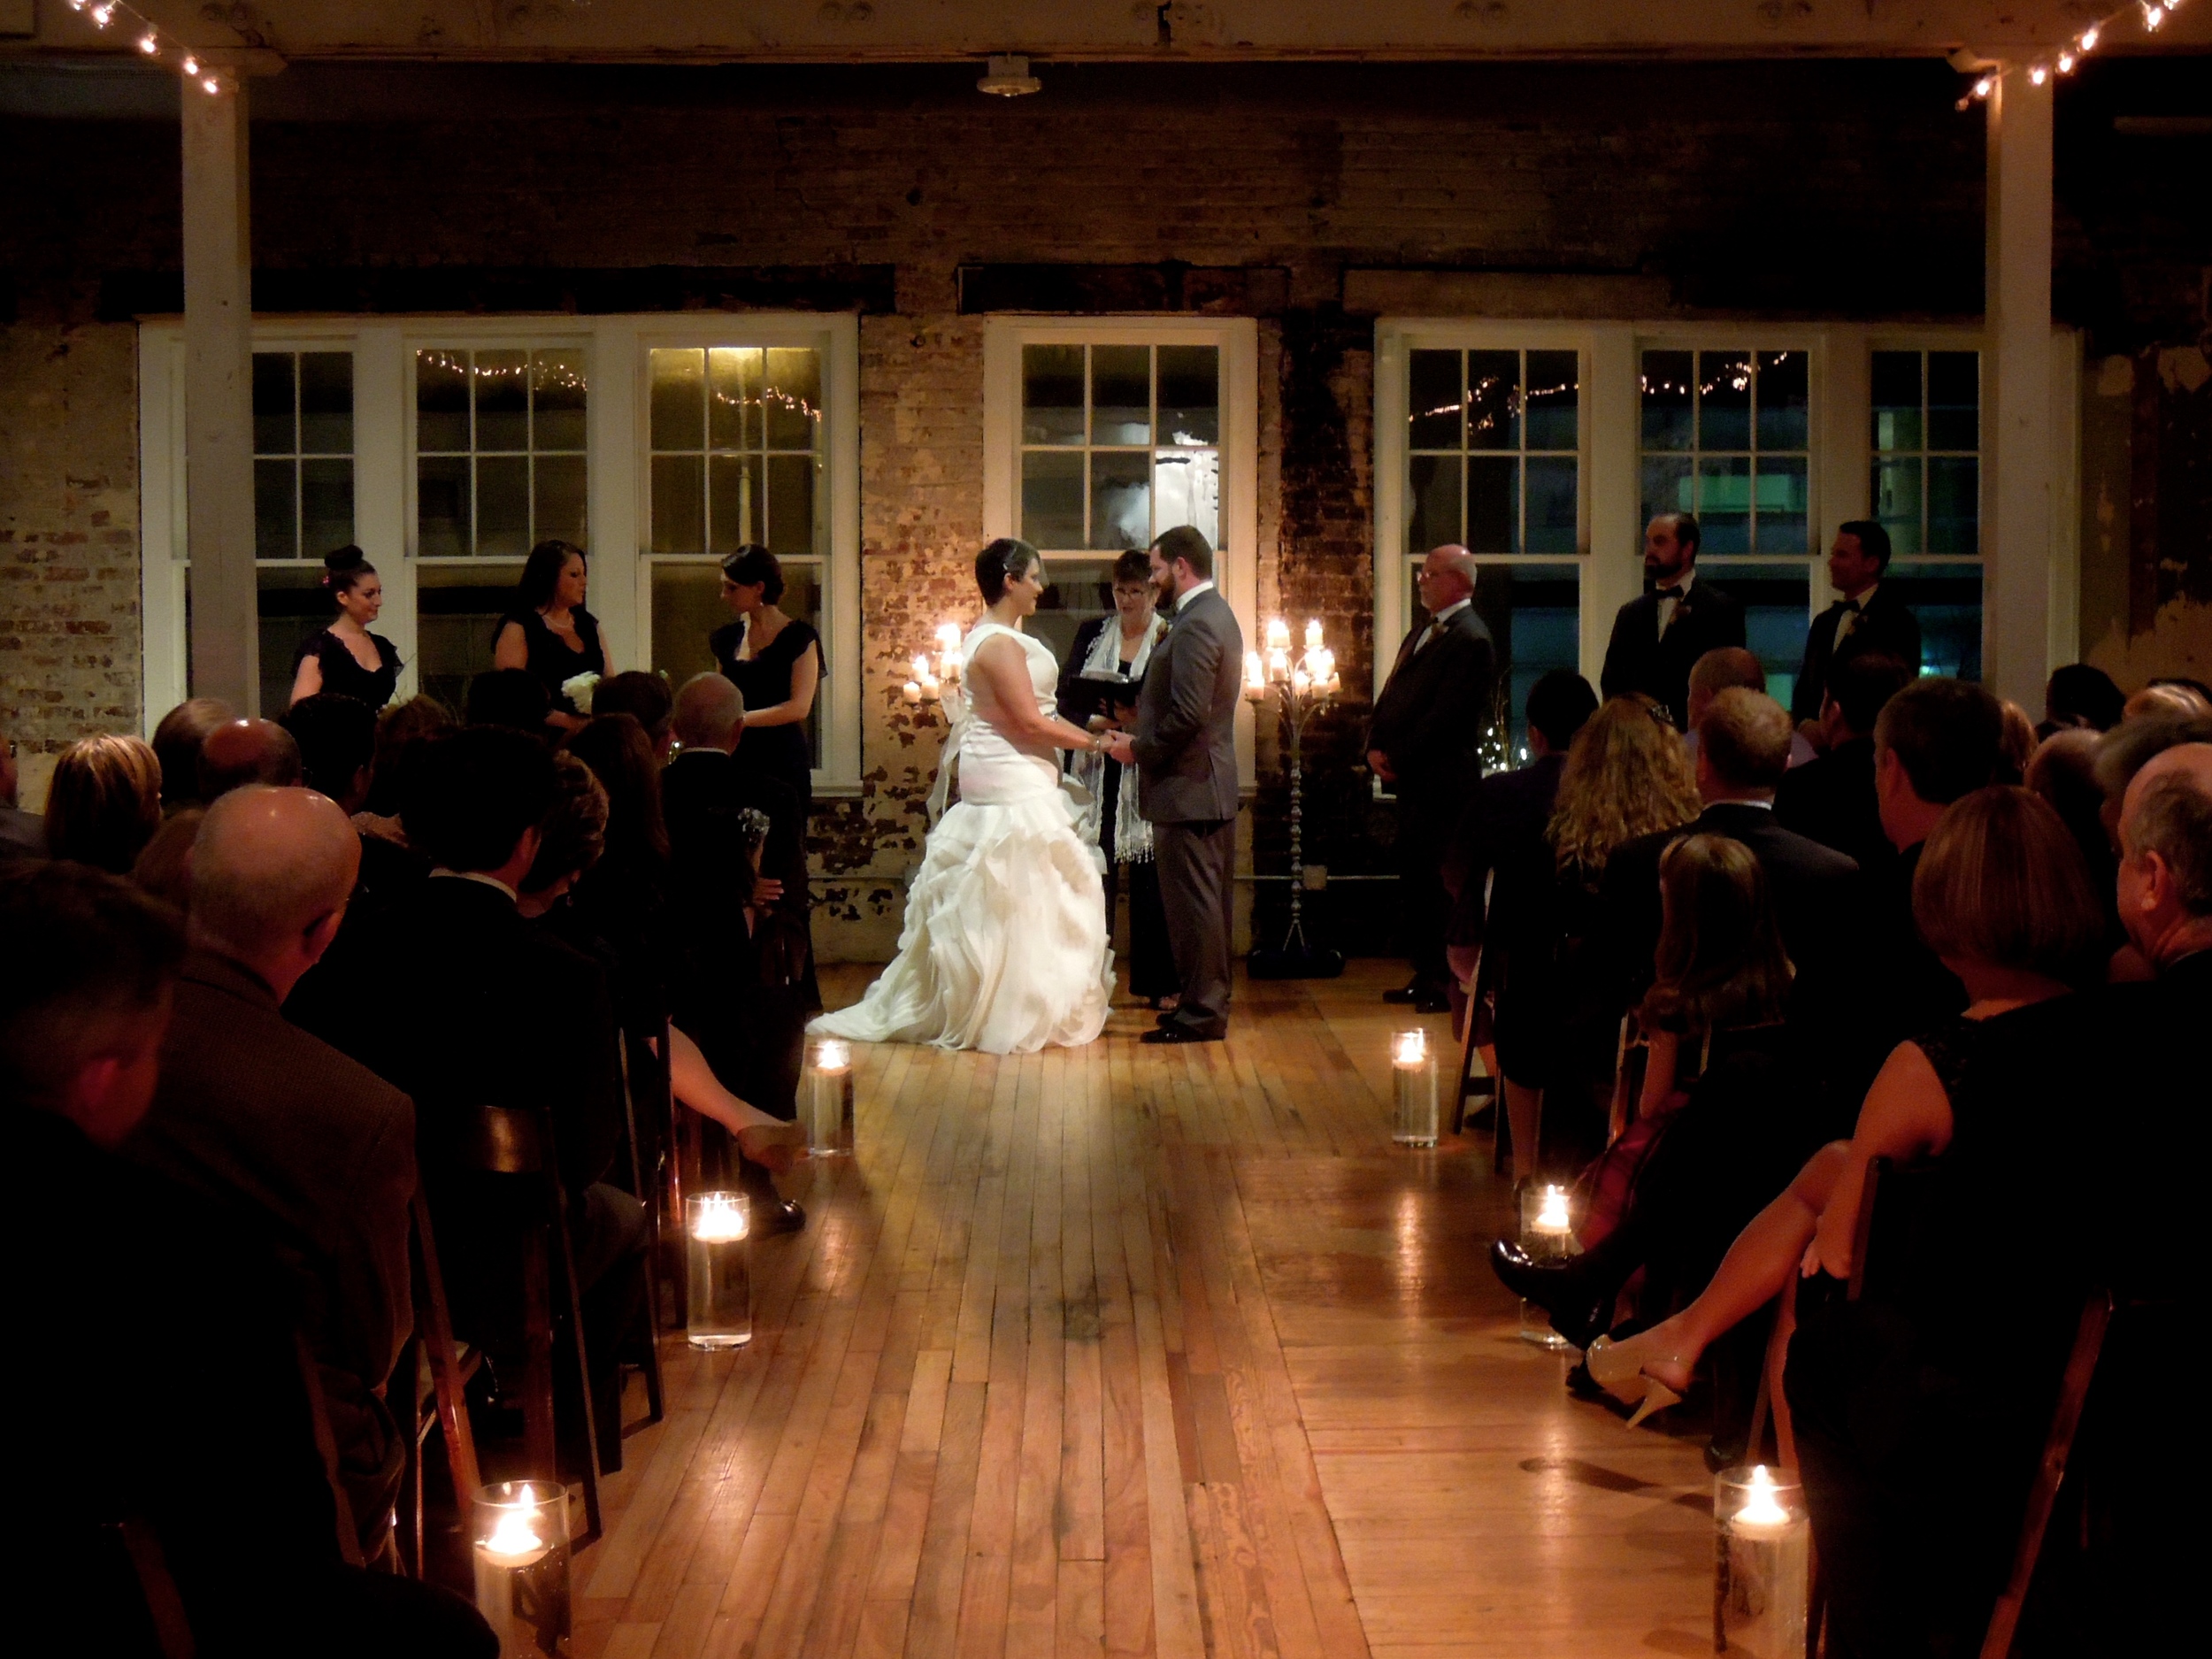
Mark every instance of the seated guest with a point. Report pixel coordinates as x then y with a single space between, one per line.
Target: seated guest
1625 776
517 1019
2016 745
103 802
309 1151
164 866
2165 874
1733 668
2064 774
247 751
1743 751
511 697
22 835
2002 897
1831 799
1721 1127
189 1421
337 736
2185 697
1507 811
2078 695
2128 746
177 742
646 699
401 729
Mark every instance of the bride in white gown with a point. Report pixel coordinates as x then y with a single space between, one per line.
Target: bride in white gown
1004 947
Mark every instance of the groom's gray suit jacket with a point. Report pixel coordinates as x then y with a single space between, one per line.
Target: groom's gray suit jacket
1185 737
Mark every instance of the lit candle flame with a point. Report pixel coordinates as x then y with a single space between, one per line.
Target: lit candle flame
1409 1047
1277 634
921 666
834 1054
910 692
948 636
514 1536
1551 1214
720 1218
1761 1509
1313 634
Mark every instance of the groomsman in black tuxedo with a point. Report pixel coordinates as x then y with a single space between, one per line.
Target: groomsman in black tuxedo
1866 619
1656 638
1423 743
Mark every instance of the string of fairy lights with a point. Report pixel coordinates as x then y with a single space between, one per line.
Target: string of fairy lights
152 42
2152 13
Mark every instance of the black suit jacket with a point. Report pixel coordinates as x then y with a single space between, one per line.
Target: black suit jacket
1830 800
1504 819
1637 659
1885 624
1432 712
314 1153
1811 886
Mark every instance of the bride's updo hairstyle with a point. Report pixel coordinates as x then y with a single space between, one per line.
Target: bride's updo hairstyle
1006 557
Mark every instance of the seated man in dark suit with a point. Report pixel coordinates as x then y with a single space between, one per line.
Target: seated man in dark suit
738 871
1422 742
1831 798
309 1151
1866 619
185 1414
1656 638
508 1015
1743 751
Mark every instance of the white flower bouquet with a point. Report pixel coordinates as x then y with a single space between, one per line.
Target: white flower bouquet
578 689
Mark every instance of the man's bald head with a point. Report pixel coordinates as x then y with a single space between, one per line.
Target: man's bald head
1726 668
248 751
709 713
2165 886
272 870
1454 568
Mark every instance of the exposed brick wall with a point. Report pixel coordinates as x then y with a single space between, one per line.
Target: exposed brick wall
69 573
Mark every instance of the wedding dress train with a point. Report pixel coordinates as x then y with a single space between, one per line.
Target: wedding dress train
1004 945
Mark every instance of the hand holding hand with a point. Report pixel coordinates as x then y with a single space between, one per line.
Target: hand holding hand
1119 747
766 891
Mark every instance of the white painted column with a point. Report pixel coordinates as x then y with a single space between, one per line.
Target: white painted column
1613 568
2018 438
219 397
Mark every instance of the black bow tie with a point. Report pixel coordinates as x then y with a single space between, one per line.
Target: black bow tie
1852 605
1668 593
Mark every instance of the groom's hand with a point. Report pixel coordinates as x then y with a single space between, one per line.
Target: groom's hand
1379 763
1121 748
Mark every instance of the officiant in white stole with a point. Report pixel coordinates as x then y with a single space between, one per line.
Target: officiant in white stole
1004 946
1118 646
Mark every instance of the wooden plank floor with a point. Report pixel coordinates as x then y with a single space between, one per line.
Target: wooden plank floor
1144 1351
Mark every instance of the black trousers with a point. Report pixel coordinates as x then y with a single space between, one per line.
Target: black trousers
1426 814
1197 862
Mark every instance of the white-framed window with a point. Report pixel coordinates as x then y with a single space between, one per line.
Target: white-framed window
469 440
1771 435
1101 432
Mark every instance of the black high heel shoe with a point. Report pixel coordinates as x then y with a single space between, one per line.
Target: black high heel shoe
1580 1310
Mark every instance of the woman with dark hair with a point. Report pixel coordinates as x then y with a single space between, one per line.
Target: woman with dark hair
549 632
105 803
345 658
1004 944
776 661
1120 642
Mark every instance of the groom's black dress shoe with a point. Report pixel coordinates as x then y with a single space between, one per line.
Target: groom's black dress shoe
1579 1311
1177 1033
1404 994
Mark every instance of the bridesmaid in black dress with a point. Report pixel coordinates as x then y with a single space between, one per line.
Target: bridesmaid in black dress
776 661
345 658
547 631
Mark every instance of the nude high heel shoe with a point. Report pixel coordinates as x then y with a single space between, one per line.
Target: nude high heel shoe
1618 1368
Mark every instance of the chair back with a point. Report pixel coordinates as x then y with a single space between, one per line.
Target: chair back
503 1141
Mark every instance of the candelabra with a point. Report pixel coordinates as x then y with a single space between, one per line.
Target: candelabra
939 680
1306 684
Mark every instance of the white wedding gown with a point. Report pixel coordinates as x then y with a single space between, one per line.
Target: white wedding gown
1004 947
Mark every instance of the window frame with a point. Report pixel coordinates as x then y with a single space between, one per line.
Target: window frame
1237 338
617 445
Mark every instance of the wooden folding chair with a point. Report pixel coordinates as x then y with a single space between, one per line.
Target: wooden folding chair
1472 1081
515 1142
648 1194
432 1347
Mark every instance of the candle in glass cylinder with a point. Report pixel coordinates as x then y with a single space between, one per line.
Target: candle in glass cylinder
1762 1562
521 1553
829 1116
718 1270
1547 1235
1413 1077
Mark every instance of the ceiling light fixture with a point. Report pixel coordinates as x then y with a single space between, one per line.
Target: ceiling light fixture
1008 78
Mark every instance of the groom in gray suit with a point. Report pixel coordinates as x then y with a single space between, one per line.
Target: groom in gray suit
1184 752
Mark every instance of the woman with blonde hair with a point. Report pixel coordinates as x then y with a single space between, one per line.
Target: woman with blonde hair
1627 774
105 803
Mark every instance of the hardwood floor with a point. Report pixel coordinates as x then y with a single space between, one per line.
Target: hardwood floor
1144 1351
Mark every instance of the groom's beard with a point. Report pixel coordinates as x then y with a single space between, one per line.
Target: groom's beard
1165 600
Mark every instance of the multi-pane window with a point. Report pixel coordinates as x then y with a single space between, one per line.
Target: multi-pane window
1727 436
1493 441
1927 434
499 449
303 489
302 453
736 439
1118 443
737 449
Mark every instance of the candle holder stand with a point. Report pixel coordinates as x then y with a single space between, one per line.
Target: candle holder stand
1413 1077
829 1103
1762 1562
520 1545
1303 694
718 1277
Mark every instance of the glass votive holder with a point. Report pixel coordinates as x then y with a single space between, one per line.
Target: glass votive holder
1547 1235
1413 1077
718 1275
1762 1562
519 1531
829 1101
